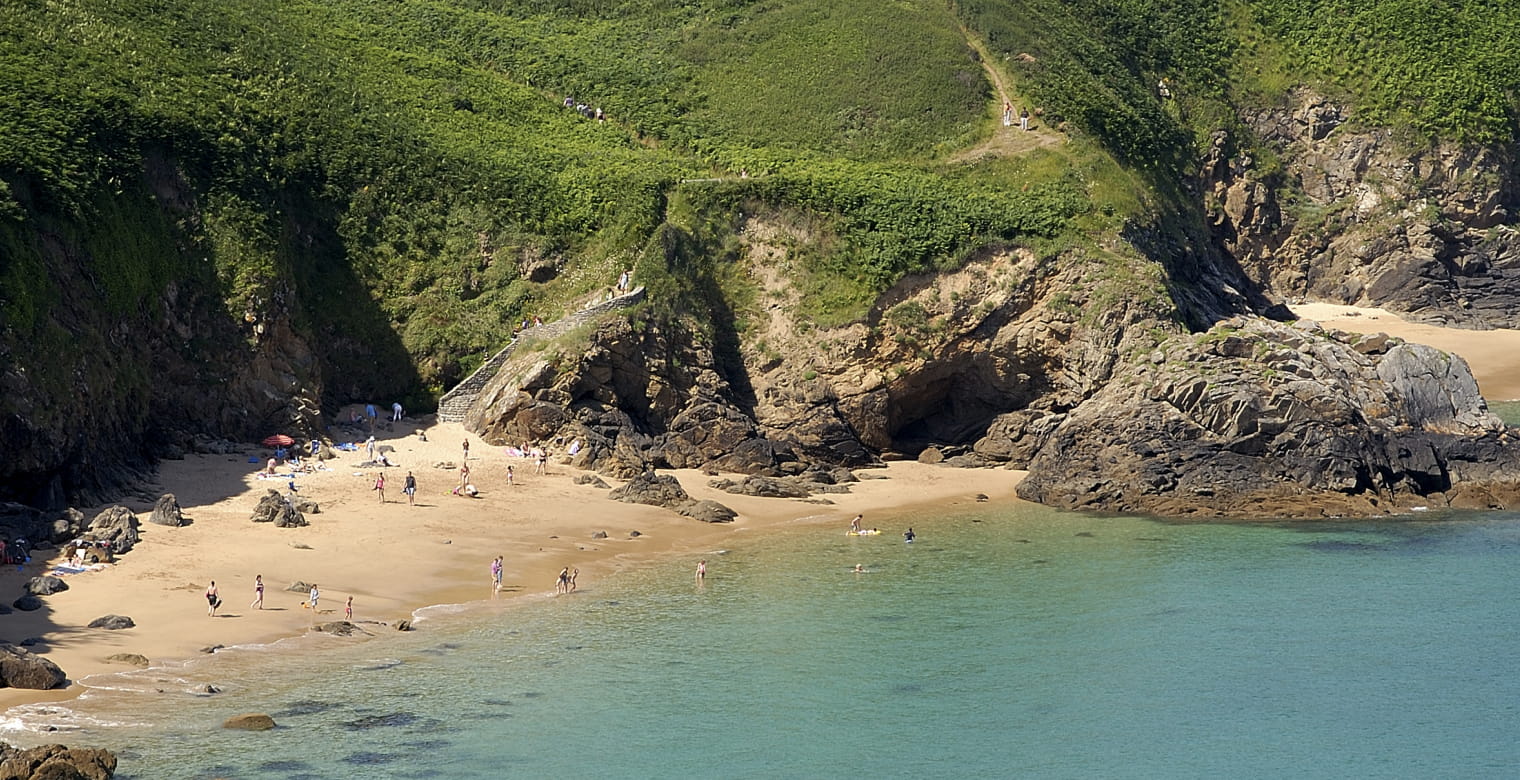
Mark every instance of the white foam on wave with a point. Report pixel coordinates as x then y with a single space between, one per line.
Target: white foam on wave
50 718
437 611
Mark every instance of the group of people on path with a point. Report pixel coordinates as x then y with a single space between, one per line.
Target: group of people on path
1008 116
584 110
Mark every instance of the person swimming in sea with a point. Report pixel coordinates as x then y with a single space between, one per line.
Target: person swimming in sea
908 536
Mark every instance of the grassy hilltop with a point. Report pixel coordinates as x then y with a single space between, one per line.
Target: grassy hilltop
384 176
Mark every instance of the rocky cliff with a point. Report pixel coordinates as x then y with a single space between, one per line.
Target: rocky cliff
1366 216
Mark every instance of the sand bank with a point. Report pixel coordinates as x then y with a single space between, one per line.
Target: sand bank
391 557
1493 355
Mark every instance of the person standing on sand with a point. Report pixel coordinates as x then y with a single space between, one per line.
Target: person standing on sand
701 571
509 475
313 597
369 447
348 610
410 489
562 585
466 449
396 414
496 576
464 479
258 592
380 486
212 600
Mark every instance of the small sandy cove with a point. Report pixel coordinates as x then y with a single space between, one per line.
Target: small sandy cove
391 557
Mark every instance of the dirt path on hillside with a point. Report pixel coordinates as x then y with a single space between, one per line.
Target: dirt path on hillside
1005 141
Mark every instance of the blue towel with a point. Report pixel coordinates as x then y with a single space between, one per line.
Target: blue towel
253 459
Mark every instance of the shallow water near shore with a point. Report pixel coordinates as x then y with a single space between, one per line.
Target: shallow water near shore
1007 641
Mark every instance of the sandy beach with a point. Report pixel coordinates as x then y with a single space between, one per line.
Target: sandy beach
391 557
1493 355
394 558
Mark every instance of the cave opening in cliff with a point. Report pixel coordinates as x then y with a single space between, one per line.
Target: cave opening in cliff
953 411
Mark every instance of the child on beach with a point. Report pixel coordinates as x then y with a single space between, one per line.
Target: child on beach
314 595
380 486
348 610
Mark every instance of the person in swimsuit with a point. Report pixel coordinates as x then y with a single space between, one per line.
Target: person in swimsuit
908 536
212 600
380 486
410 489
562 585
348 610
464 478
701 571
855 524
496 575
258 592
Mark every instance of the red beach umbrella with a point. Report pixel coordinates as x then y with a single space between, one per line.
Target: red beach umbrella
279 440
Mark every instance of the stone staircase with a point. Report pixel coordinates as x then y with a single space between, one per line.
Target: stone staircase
453 404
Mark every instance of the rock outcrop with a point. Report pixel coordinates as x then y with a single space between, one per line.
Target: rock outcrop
112 622
1355 216
663 490
1259 419
56 762
167 512
252 721
275 508
22 669
45 585
116 528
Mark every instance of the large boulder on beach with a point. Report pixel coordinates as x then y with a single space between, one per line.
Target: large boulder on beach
56 762
275 508
20 668
117 527
112 622
708 512
652 489
45 585
28 603
252 721
167 512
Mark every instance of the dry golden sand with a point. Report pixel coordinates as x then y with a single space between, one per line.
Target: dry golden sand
391 557
1493 355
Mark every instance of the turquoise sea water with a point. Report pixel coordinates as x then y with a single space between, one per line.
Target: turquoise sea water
1006 642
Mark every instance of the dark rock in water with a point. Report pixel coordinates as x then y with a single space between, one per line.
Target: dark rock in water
207 689
253 721
306 707
167 512
403 625
28 603
369 757
112 622
21 669
131 659
393 719
209 649
284 766
56 762
31 641
275 508
45 585
116 527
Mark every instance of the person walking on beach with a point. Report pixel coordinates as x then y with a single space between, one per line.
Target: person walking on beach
562 585
410 489
540 461
466 449
380 486
258 592
509 475
212 599
701 571
348 610
370 448
313 597
496 576
464 479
